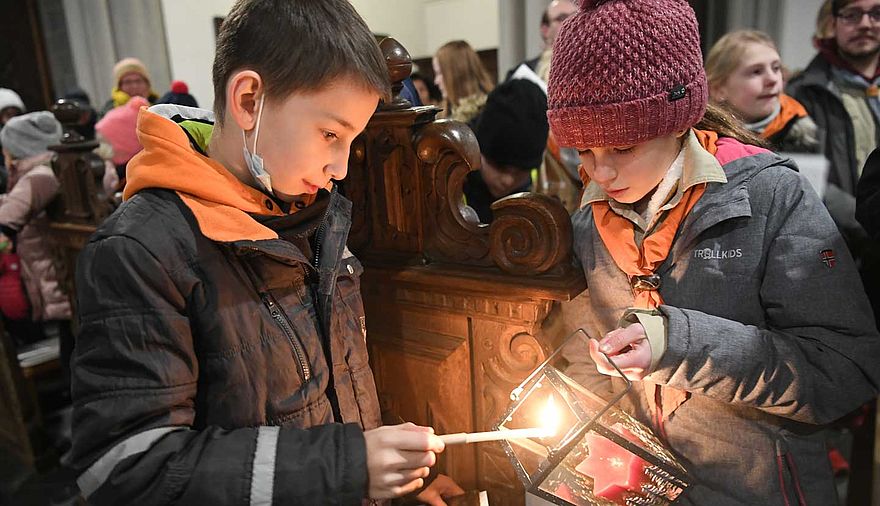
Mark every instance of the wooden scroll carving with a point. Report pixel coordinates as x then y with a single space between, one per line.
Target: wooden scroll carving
415 203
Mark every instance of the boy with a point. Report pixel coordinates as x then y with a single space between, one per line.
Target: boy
512 133
221 357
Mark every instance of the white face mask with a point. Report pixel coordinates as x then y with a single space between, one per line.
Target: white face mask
255 161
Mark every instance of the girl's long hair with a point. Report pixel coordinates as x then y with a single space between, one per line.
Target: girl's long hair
463 72
725 124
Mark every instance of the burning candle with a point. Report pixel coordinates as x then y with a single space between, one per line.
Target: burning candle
550 416
549 425
498 435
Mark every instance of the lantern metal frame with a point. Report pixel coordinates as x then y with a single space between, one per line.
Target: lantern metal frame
667 470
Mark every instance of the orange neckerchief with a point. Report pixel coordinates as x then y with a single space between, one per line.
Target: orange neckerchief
617 235
639 262
789 109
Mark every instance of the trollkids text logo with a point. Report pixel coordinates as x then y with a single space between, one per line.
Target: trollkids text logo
718 253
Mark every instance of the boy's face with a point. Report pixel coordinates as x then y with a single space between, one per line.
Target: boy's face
502 180
305 139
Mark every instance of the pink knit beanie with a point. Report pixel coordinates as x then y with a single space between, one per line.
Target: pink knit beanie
119 127
624 72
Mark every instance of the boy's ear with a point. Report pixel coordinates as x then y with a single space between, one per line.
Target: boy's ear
243 93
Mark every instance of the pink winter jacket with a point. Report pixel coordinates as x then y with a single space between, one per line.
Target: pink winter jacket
32 186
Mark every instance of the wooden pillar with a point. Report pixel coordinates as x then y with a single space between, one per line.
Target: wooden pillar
452 305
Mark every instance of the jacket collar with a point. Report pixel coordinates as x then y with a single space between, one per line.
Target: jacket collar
327 222
817 73
724 202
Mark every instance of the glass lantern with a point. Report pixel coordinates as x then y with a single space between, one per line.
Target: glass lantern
598 454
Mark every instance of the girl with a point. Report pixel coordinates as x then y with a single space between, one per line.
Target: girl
745 74
463 80
717 279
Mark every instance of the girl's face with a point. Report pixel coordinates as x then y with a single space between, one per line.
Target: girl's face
438 76
629 173
753 89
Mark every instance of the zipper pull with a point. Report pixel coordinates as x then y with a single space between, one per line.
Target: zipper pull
267 300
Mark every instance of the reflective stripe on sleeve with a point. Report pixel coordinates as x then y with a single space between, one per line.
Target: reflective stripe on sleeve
263 476
95 476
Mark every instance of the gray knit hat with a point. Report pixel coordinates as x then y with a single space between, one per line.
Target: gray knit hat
30 134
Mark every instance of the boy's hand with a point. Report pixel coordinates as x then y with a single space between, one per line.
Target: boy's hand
442 487
628 347
398 458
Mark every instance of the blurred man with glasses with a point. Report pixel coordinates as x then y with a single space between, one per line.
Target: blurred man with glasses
556 12
840 91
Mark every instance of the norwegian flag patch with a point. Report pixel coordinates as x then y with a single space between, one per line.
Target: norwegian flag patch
828 258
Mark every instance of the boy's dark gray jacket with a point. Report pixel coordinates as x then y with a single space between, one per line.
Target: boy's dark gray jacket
202 370
768 329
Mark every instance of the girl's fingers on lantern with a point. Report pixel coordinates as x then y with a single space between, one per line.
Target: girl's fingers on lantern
602 363
633 363
619 339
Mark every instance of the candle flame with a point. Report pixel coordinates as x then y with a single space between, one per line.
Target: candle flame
550 417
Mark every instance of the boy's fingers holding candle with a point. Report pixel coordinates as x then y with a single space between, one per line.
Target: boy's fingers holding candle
403 477
398 457
416 428
408 488
413 460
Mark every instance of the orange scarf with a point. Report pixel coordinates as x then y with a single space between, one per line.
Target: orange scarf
639 264
789 109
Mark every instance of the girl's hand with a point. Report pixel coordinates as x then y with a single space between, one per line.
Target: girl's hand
628 347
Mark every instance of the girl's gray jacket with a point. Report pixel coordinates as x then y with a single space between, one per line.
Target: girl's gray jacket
769 330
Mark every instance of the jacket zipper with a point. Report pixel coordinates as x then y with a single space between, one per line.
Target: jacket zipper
319 234
319 237
305 370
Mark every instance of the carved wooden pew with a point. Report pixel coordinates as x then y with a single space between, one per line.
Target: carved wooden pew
82 204
452 305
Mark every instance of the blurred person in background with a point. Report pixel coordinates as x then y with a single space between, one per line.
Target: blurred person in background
463 81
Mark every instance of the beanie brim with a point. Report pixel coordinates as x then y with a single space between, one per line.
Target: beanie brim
629 123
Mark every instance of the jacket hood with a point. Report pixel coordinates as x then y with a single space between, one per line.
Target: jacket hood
175 140
25 165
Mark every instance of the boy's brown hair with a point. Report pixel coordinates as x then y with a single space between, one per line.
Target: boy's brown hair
297 45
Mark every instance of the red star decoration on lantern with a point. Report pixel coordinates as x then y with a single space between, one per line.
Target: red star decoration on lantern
614 469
